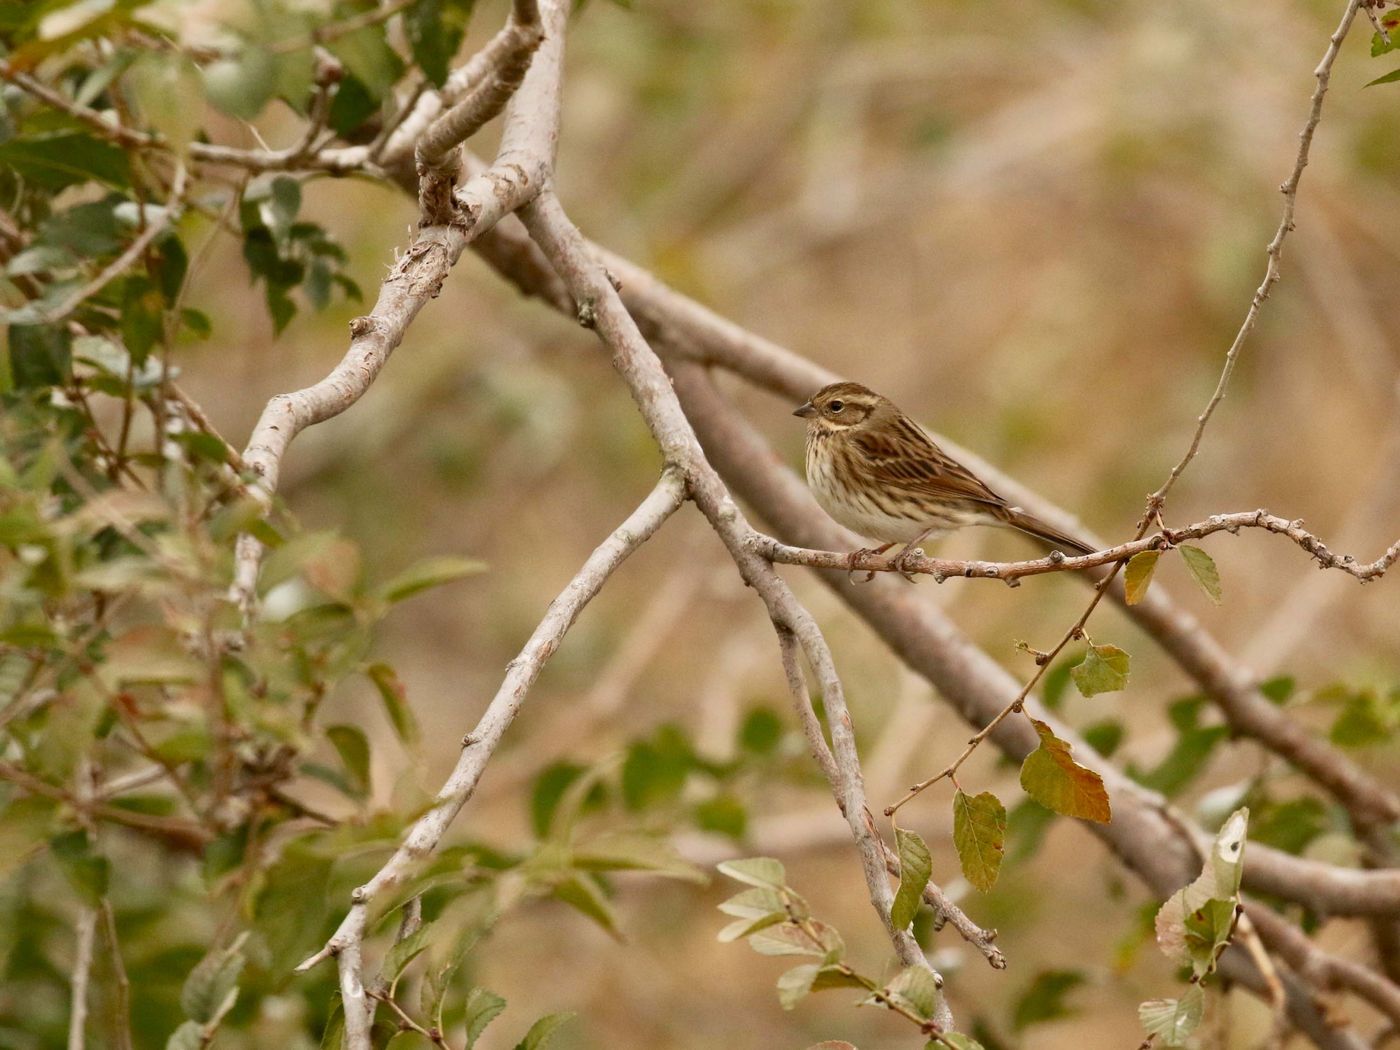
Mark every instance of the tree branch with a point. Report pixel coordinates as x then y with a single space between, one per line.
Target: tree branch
1165 539
522 164
480 744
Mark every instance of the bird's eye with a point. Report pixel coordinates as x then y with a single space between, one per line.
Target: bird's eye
836 406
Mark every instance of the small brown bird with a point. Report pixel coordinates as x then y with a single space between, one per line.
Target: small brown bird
877 472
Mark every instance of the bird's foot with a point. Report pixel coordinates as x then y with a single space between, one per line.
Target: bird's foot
904 561
857 556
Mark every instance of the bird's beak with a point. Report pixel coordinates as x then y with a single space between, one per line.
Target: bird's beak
806 411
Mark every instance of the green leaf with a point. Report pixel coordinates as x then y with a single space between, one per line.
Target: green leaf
1279 688
1104 737
431 572
40 355
404 951
723 814
461 924
483 1007
395 700
583 894
1186 760
1389 78
87 872
916 865
211 988
369 58
956 1040
241 86
54 162
1104 669
1137 577
740 929
1367 718
794 985
761 732
435 32
916 987
754 903
789 939
189 1036
1044 1000
169 94
1219 881
979 835
542 1031
1173 1020
353 747
292 905
1202 568
634 851
755 871
1052 777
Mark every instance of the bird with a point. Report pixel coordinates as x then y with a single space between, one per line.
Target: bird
878 473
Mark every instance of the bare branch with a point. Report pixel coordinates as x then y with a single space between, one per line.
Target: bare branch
507 58
686 331
944 569
86 933
1274 250
599 307
522 165
480 744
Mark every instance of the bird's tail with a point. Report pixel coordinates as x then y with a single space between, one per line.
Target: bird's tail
1017 518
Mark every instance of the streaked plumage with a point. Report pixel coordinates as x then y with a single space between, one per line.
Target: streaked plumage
878 473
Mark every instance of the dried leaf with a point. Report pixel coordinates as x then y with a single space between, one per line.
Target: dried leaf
1137 577
1051 777
1202 568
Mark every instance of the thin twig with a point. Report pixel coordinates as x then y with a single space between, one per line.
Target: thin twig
169 214
1164 539
480 744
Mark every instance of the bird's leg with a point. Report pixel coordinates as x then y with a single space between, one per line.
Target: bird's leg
856 556
901 561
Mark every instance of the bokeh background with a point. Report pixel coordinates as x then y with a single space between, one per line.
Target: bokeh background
1037 225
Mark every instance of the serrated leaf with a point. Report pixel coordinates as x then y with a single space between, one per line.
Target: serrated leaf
917 988
431 572
1137 577
1104 669
543 1030
483 1007
1052 777
979 835
1173 1020
741 928
915 867
1203 570
212 986
756 871
795 985
753 904
788 939
352 745
403 952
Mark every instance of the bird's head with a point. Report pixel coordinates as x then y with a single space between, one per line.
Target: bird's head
844 406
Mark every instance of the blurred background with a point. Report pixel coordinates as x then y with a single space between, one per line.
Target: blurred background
1037 226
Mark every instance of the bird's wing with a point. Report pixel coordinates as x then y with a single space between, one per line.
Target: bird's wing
907 458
